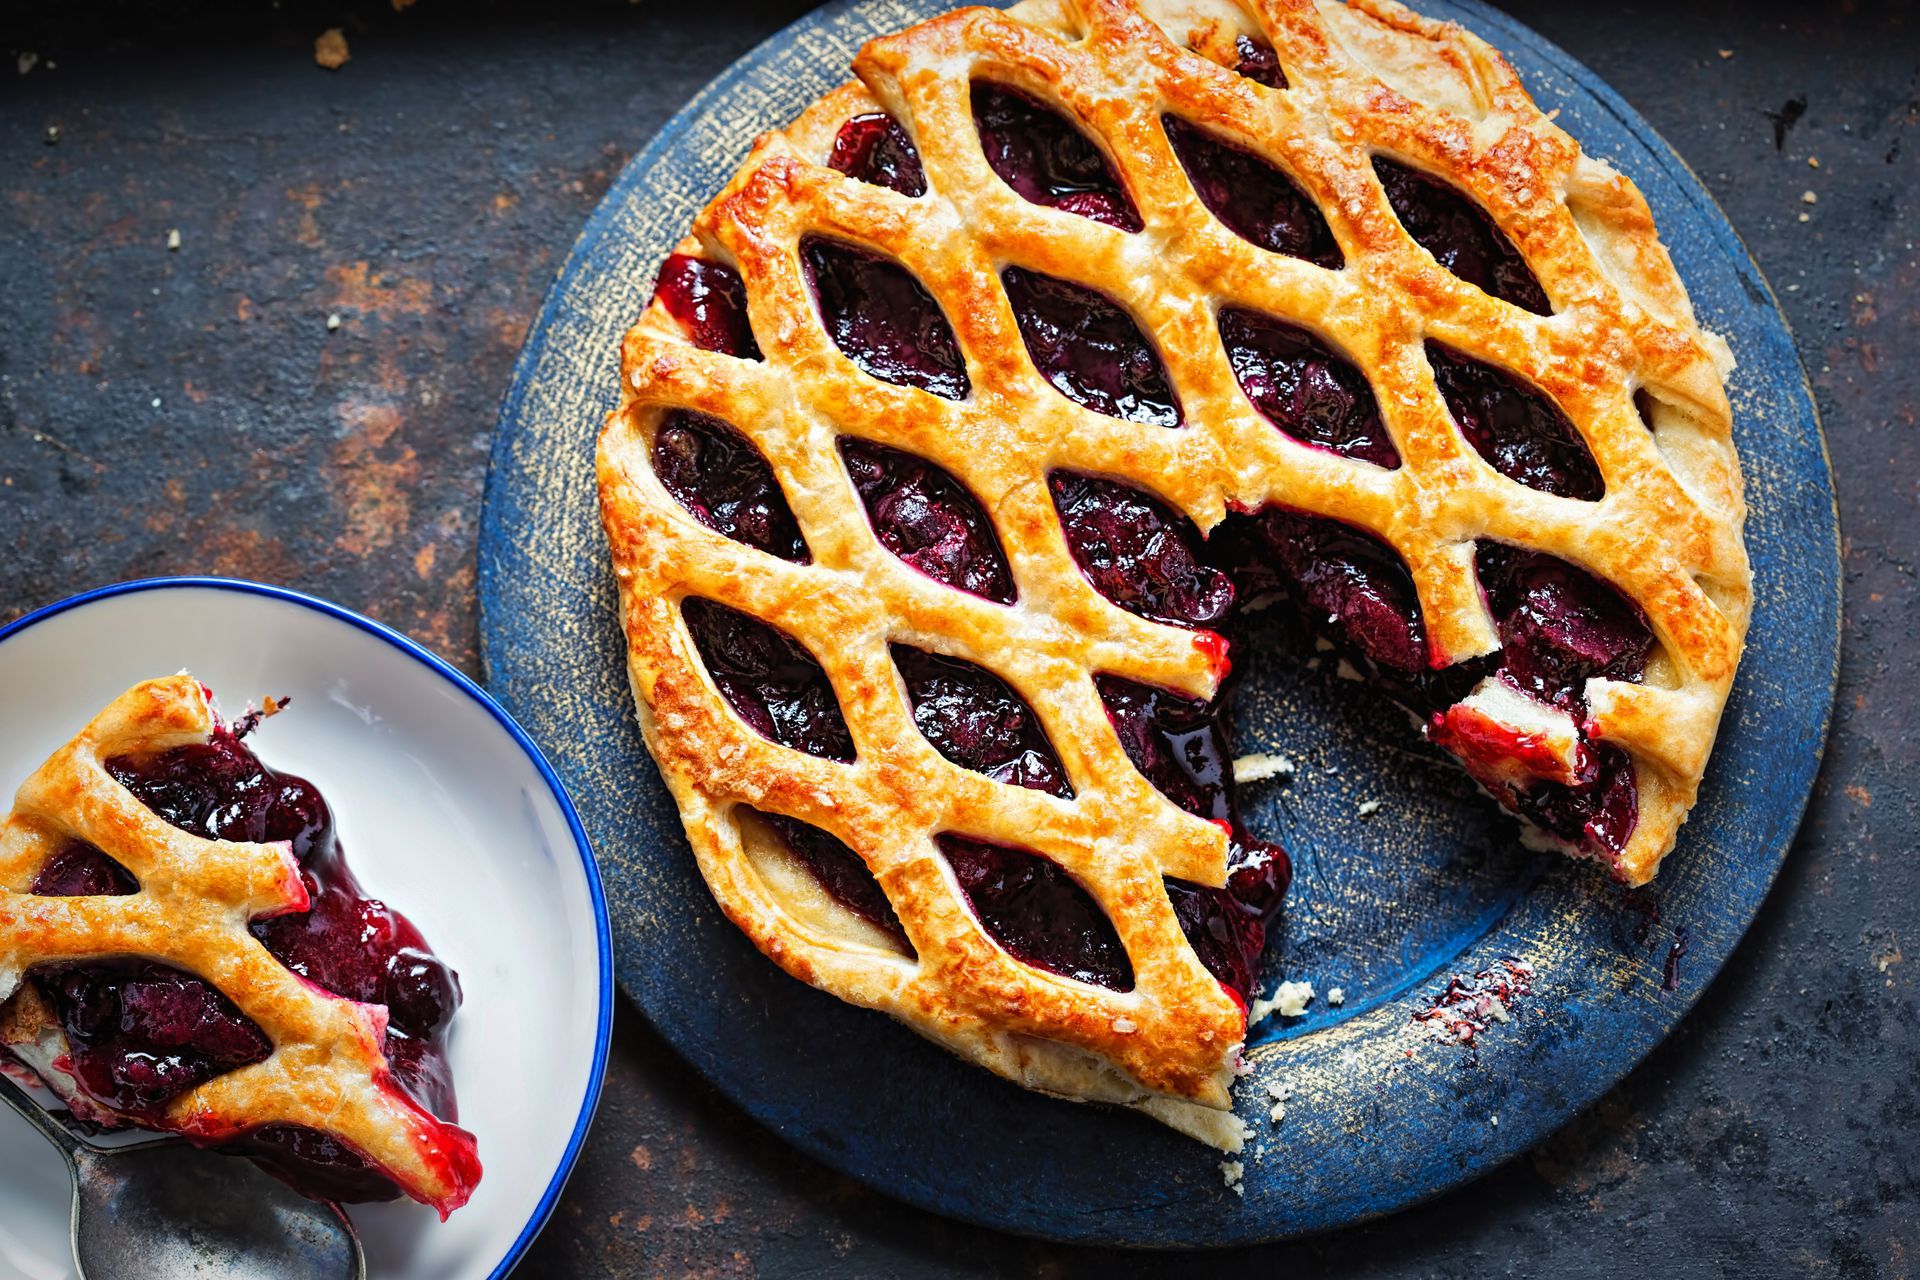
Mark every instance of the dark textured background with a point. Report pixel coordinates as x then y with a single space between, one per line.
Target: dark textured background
426 192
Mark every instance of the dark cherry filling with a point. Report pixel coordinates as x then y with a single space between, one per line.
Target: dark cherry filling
710 302
142 1033
975 720
1516 427
769 679
81 871
875 148
1043 156
1256 201
1601 813
720 478
884 319
1138 552
1090 349
1039 913
839 870
927 518
1559 625
1460 235
1180 745
1258 62
1304 388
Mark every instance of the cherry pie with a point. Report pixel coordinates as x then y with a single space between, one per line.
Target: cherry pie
999 396
183 948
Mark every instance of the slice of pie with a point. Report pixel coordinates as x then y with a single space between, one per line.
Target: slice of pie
183 949
996 400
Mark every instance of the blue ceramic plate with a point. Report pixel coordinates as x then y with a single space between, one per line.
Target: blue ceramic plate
1389 907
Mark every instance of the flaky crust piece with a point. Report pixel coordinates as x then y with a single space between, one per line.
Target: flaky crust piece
1368 79
327 1071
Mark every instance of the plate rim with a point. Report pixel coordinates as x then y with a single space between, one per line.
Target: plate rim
603 935
1507 34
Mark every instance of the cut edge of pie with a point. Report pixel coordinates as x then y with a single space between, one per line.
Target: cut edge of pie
1617 351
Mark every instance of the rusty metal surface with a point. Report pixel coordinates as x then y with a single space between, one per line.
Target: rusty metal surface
425 192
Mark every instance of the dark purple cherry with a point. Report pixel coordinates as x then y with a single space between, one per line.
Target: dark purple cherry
1515 426
1138 552
142 1033
725 483
1178 744
710 302
769 678
1559 625
1460 235
1305 388
840 871
1090 349
1258 62
874 148
1227 928
884 319
1038 912
1255 200
1600 815
1043 156
929 519
79 870
973 718
1347 583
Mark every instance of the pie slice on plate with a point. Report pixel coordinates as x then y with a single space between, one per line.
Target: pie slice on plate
184 949
999 397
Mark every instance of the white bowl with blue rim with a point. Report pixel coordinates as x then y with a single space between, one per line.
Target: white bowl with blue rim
445 809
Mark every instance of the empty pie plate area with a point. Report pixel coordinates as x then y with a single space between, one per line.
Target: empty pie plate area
448 812
1469 995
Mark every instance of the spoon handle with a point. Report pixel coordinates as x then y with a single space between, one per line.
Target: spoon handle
34 1114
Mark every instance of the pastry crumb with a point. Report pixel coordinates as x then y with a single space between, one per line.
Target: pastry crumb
1367 808
1258 766
1809 197
1494 1121
330 49
173 240
1336 996
1813 162
333 321
27 61
1231 1173
1289 1000
1725 54
53 134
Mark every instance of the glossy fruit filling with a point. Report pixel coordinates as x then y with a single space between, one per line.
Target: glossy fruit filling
1460 235
1516 427
142 1033
710 303
769 679
1047 159
1335 584
974 719
884 319
1254 199
1304 387
1258 62
1090 349
928 519
724 482
875 148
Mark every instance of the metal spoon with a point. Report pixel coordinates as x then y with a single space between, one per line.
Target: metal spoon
162 1209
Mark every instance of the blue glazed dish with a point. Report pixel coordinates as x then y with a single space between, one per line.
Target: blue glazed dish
1389 905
